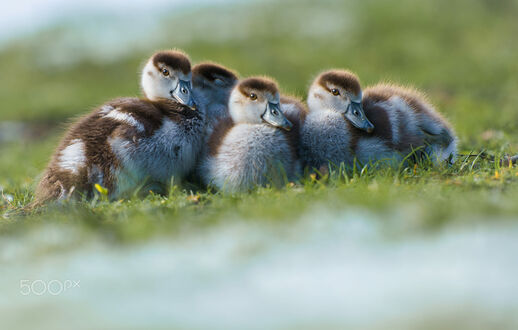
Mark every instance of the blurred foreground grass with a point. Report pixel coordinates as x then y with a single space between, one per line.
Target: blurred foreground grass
462 53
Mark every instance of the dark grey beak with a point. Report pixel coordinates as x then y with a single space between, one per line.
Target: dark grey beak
357 117
183 94
274 116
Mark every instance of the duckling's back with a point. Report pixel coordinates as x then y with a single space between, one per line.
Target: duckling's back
121 145
414 118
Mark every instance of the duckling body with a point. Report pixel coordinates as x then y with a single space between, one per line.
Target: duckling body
130 143
168 152
249 148
326 138
249 155
413 119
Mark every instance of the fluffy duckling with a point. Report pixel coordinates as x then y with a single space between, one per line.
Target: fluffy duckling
335 108
416 117
396 131
131 143
250 148
212 84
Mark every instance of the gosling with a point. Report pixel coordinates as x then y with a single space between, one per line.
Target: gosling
416 117
251 148
384 130
131 144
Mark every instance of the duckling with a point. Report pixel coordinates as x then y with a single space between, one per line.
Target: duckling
335 107
250 148
398 125
131 143
212 84
440 140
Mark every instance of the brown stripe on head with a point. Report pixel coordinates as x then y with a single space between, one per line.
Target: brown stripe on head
340 78
212 71
258 84
175 59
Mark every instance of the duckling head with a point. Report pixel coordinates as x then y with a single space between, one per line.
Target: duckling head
167 75
212 84
257 100
340 91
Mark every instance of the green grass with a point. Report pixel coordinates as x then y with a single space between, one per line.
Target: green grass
462 53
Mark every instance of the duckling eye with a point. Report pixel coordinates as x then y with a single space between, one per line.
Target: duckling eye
253 97
275 112
335 91
184 90
165 72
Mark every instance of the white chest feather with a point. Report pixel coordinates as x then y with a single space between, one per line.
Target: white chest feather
250 155
325 137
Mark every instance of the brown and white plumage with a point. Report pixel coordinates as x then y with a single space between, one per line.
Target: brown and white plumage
131 143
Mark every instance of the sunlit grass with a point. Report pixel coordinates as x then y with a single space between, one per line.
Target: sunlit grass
474 187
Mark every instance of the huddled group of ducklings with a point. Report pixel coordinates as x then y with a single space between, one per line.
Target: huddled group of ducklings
235 134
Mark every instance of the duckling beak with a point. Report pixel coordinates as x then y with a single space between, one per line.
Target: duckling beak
357 117
183 94
274 116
